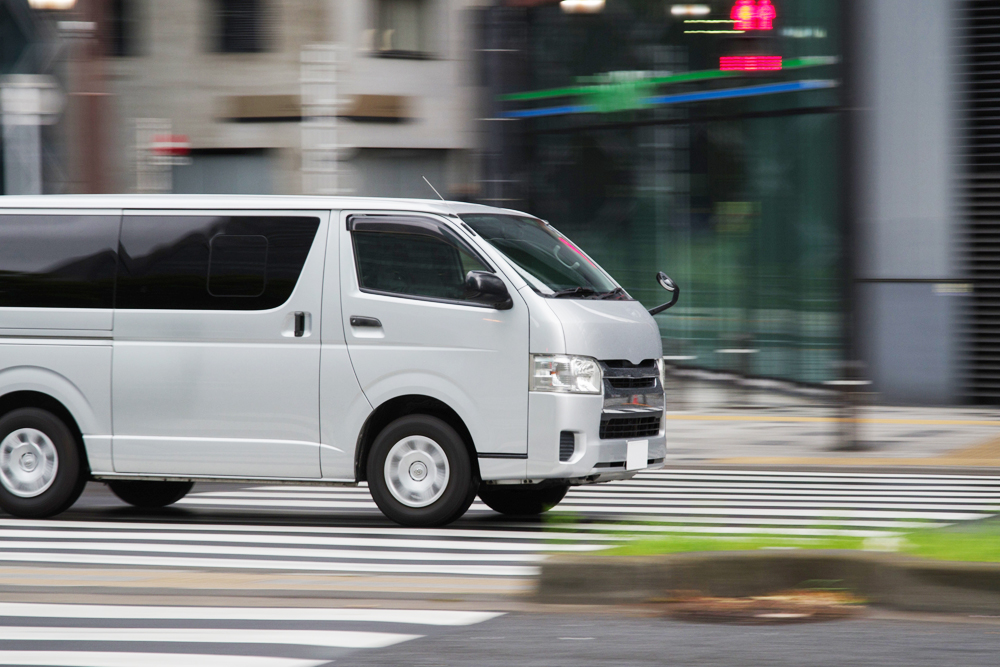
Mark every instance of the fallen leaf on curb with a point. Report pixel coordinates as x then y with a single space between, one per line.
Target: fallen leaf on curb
786 607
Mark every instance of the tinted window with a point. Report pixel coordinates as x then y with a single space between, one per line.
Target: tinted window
237 265
58 261
212 262
412 264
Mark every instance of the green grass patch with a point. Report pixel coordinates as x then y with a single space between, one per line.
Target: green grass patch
974 542
979 542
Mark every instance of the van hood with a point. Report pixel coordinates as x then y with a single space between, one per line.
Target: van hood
608 329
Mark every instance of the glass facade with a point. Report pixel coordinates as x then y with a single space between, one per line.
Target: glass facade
633 141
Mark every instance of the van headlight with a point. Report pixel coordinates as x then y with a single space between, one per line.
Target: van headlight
565 373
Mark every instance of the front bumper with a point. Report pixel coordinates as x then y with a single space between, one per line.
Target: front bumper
594 459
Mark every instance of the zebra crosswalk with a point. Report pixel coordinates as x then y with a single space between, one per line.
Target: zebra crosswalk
701 500
338 532
86 635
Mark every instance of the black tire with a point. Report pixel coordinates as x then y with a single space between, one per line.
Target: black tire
67 462
458 492
521 500
150 495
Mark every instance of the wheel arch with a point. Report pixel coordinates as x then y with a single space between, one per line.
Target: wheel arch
15 400
401 406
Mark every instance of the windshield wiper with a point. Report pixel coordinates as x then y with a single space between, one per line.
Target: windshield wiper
618 291
573 291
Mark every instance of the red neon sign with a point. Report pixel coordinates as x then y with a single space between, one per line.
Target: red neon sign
749 63
753 15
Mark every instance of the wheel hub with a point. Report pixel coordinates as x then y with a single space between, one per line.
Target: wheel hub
417 471
28 462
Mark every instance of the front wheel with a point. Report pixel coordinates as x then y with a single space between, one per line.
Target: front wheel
521 500
420 473
42 471
150 495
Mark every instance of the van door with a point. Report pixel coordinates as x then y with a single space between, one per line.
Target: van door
410 330
216 343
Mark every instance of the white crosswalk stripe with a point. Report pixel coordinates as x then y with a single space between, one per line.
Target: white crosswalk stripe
82 635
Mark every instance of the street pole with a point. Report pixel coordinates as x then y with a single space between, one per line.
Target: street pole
92 131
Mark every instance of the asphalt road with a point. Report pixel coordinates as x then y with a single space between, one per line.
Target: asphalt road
533 640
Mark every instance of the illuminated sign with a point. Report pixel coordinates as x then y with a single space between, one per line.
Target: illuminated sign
753 15
749 63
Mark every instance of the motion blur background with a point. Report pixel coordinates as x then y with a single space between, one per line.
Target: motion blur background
821 177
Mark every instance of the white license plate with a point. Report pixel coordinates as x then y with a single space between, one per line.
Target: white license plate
637 454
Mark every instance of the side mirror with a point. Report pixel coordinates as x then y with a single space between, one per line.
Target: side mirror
669 285
486 288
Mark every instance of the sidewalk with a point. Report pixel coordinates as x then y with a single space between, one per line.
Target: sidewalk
711 423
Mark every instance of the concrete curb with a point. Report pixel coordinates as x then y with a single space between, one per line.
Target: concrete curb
891 581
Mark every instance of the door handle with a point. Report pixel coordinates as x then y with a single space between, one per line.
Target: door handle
360 321
300 324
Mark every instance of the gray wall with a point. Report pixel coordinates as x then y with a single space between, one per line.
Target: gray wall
907 222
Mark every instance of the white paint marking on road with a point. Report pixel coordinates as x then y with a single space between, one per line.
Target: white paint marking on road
456 534
273 552
374 543
367 615
324 638
108 659
302 504
119 560
820 514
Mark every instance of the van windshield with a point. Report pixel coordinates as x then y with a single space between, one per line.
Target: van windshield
547 260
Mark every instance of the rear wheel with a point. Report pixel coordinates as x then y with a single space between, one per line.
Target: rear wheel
42 471
420 473
521 500
150 495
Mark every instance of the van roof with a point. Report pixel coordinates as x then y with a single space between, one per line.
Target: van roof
238 202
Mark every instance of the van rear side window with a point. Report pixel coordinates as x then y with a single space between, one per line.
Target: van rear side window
211 262
58 261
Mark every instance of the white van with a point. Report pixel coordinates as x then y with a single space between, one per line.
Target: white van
433 349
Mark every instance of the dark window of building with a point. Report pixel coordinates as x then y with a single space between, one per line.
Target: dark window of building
240 26
212 262
123 28
237 265
413 264
58 261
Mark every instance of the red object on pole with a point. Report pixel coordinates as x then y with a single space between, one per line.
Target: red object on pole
172 145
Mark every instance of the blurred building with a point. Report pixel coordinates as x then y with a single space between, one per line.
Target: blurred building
815 174
287 96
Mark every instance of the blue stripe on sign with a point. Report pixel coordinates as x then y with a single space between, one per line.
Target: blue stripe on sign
750 91
549 111
703 96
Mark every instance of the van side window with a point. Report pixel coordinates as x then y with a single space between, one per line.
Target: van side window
58 261
413 264
212 262
237 265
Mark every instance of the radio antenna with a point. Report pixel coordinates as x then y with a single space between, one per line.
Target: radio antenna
432 188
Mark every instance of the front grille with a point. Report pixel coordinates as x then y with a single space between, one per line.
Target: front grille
632 383
567 445
630 427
